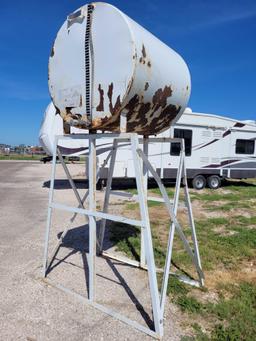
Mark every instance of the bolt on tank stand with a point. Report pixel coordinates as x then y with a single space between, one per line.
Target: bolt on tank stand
142 166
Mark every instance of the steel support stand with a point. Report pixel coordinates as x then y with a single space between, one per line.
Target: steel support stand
92 219
81 204
49 212
191 221
145 181
148 245
107 194
171 235
142 166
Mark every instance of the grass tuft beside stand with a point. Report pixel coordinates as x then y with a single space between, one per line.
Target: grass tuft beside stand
226 230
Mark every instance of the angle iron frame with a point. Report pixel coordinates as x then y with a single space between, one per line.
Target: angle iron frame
142 167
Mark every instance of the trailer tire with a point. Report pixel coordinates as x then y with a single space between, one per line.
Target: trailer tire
99 185
199 182
213 181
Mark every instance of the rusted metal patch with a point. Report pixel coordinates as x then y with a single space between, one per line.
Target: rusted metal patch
144 59
100 106
151 117
117 106
143 51
52 51
239 125
146 118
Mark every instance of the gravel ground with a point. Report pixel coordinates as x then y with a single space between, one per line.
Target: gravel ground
30 308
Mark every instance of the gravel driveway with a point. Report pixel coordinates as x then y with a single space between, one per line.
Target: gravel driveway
31 309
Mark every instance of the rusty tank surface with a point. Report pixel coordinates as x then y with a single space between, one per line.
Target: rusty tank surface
103 65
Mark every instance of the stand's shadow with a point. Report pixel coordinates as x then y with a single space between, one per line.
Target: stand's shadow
60 184
129 183
76 241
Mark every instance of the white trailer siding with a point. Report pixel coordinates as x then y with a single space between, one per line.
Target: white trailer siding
214 141
215 145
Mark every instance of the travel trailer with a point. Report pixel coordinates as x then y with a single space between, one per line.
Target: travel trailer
216 148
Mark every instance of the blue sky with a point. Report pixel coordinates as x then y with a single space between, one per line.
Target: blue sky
217 39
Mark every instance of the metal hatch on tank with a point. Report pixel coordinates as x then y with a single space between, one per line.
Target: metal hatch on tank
103 65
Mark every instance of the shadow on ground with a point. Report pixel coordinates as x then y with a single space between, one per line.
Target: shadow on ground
77 241
125 184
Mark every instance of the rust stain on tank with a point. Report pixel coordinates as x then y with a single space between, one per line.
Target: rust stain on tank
134 101
160 97
143 59
110 94
144 117
52 51
66 128
143 51
117 106
165 118
99 121
100 106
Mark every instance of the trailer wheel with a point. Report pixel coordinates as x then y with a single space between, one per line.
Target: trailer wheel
213 181
199 182
99 185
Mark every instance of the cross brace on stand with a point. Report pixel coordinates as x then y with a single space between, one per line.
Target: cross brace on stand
141 166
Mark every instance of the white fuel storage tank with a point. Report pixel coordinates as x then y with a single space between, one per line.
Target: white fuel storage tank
103 64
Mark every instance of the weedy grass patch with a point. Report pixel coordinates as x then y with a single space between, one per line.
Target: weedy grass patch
21 157
227 244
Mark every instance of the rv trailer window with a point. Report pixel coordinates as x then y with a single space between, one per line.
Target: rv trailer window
185 134
244 146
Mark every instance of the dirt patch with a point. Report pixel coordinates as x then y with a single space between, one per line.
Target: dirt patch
204 296
222 230
245 271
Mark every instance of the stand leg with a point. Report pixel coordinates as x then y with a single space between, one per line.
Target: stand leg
171 236
92 220
145 182
192 225
49 213
147 238
170 210
71 181
107 194
81 205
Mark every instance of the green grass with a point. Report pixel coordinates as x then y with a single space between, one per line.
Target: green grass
170 191
232 244
176 287
235 317
152 203
126 238
189 304
226 243
21 157
229 206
